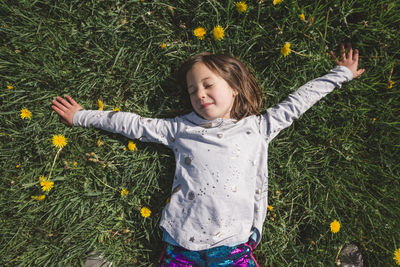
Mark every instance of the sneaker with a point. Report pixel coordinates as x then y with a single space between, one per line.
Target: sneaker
350 256
95 260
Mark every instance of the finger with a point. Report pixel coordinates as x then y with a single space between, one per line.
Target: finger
342 51
64 102
59 105
333 57
59 111
71 100
360 71
349 51
355 56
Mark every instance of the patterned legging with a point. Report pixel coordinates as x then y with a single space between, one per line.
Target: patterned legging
240 255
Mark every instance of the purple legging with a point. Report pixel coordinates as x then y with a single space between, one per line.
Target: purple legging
240 255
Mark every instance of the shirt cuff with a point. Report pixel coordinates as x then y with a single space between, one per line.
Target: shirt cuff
346 72
76 117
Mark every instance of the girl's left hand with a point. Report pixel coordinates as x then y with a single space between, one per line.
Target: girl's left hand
66 109
349 59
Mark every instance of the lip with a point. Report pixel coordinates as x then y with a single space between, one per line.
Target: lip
205 105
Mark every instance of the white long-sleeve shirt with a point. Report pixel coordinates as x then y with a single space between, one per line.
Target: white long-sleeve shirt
220 188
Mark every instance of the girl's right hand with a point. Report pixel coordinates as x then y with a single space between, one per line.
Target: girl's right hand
349 59
66 109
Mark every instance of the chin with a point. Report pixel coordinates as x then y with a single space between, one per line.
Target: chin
210 118
206 117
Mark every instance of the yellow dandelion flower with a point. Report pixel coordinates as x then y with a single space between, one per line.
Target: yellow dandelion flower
131 146
241 6
124 148
100 143
163 45
270 208
25 114
335 226
311 20
145 212
124 192
199 32
45 183
116 109
38 198
391 84
59 141
75 163
285 50
275 2
18 166
397 256
302 17
218 33
100 104
10 86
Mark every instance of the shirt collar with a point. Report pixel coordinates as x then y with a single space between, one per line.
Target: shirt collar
197 120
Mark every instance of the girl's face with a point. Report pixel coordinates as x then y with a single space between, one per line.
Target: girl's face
210 95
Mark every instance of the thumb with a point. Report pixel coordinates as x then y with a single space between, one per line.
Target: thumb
359 72
66 122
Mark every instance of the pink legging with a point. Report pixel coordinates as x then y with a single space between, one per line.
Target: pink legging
240 255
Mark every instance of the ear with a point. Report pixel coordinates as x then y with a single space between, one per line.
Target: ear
235 93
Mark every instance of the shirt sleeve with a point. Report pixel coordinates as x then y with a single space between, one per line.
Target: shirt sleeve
282 115
130 125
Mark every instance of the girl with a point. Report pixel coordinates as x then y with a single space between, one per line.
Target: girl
219 194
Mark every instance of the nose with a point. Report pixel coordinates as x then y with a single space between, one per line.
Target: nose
201 93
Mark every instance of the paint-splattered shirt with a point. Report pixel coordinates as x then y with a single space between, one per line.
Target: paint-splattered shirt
220 187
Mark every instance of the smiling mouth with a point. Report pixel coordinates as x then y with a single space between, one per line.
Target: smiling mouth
205 105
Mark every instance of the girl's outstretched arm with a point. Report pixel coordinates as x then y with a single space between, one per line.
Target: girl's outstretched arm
349 59
282 115
128 124
66 109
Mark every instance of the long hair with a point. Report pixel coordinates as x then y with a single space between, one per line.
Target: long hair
236 74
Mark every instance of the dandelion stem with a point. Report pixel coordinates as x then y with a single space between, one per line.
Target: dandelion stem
103 182
326 23
337 255
300 54
54 161
391 72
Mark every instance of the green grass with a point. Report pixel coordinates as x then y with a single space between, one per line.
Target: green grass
339 161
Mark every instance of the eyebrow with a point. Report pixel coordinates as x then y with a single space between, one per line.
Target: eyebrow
200 81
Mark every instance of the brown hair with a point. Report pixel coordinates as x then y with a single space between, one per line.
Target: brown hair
236 74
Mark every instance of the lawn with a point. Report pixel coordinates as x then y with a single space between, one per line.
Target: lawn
339 161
